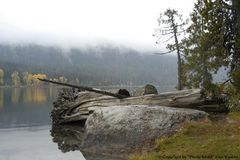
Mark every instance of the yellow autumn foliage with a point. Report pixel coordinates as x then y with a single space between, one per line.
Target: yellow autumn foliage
36 76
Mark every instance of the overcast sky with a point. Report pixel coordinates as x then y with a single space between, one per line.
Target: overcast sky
78 22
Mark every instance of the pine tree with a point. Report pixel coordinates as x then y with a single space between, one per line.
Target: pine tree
233 43
204 50
171 26
214 42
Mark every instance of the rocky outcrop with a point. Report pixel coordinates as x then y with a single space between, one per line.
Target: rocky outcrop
124 129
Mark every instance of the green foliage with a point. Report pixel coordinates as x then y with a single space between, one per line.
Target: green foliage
203 49
235 76
213 42
214 90
234 101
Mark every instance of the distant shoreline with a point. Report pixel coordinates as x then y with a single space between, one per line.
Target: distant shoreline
25 86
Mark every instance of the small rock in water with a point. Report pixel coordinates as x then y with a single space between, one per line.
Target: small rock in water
147 89
124 92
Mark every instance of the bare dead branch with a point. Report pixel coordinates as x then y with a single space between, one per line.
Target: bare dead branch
160 54
229 80
168 39
167 33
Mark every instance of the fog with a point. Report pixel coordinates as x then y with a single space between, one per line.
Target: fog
73 23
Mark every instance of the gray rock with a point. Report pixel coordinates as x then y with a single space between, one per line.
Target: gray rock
147 89
124 129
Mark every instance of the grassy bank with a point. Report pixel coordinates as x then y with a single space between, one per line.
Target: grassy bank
200 140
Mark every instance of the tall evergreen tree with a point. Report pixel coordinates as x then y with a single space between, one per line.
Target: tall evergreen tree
234 43
205 52
214 42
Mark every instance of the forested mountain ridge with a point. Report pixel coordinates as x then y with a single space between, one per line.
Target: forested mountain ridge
99 65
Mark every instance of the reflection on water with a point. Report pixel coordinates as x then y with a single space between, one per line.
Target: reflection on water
25 125
39 96
34 94
26 95
1 98
52 92
32 143
26 106
15 95
70 138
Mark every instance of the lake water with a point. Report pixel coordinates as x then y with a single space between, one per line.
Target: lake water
25 125
26 132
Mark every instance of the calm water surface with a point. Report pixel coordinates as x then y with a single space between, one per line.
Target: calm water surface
25 126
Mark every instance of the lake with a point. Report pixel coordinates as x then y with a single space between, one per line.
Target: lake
25 125
26 132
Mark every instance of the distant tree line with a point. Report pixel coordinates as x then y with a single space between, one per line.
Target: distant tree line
99 65
28 79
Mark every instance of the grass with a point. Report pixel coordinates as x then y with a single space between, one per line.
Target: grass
200 140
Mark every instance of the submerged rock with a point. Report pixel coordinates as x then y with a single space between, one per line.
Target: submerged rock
127 129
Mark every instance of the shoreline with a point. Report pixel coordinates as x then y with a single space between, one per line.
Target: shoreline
93 86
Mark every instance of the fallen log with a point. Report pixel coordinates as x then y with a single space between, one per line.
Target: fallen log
85 88
79 108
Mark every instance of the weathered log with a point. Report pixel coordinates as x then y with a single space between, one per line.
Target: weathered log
85 102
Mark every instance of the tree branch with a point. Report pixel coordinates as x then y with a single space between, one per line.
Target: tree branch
160 54
168 39
229 80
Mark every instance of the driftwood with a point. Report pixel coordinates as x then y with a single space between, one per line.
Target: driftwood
74 106
85 88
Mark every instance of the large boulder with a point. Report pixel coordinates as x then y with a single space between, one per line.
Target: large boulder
126 129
